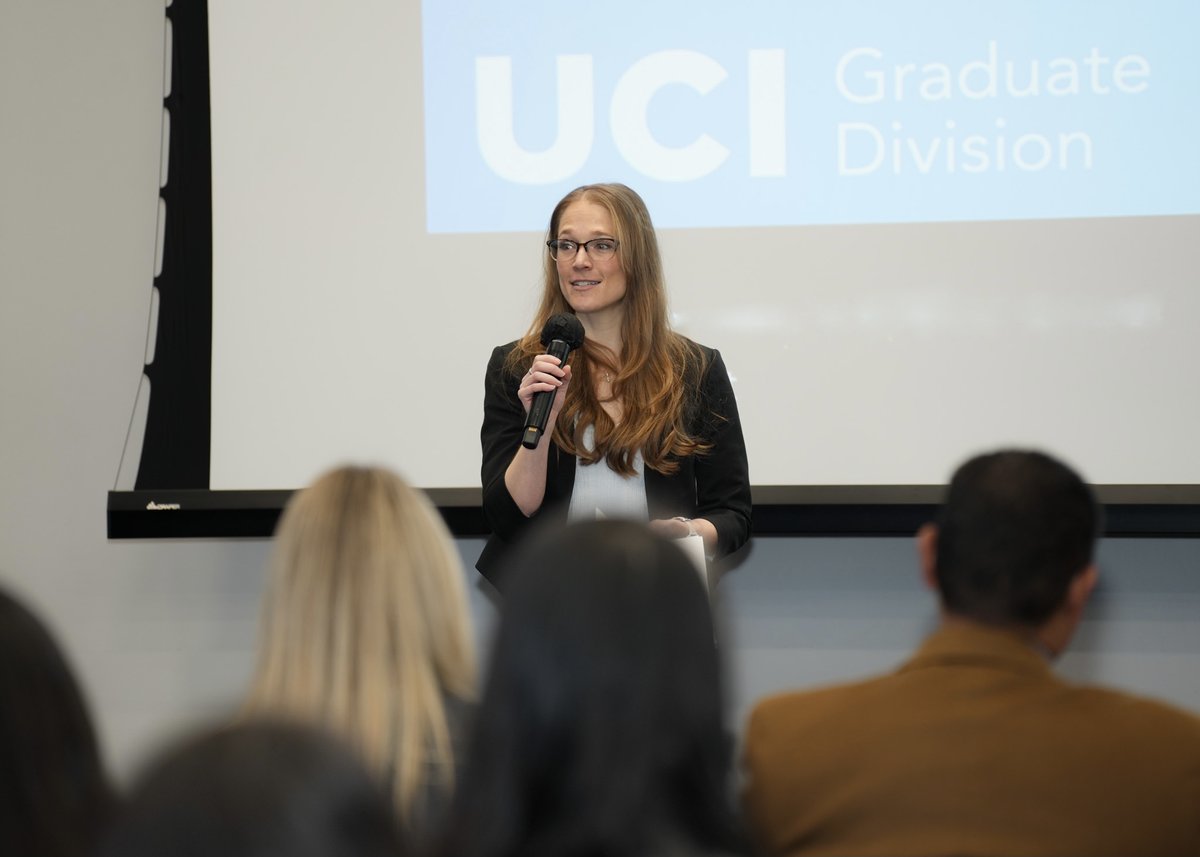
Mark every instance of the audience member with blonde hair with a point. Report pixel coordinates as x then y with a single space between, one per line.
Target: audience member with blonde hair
365 631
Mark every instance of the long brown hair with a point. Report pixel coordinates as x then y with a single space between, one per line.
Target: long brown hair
657 375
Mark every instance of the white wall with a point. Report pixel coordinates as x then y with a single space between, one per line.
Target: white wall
162 632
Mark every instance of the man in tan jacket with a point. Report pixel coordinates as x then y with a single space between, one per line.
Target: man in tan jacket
974 746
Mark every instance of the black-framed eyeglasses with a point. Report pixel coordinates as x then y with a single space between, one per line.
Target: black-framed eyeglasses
565 250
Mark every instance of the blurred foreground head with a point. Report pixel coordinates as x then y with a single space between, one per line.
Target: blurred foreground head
256 790
54 795
1015 529
600 730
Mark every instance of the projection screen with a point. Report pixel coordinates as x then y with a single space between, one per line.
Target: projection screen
914 230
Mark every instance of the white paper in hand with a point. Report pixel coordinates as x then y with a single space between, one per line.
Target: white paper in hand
693 547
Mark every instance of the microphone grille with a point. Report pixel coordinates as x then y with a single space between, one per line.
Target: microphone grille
563 326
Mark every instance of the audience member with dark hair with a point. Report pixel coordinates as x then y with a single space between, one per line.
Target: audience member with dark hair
366 632
54 796
1014 532
600 731
256 790
974 746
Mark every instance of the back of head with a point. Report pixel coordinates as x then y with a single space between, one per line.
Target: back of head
365 626
54 796
255 790
601 724
1015 528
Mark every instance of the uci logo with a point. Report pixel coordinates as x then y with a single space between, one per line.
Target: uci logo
629 110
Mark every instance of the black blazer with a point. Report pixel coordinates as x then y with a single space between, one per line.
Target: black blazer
714 486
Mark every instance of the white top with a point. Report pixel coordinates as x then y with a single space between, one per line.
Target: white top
599 492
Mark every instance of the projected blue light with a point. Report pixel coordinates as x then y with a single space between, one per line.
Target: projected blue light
781 113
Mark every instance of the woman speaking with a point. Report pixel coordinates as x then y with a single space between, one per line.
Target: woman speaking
643 423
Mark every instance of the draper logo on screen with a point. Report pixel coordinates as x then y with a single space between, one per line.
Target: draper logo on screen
773 112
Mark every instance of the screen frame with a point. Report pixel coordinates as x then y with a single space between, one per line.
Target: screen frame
171 495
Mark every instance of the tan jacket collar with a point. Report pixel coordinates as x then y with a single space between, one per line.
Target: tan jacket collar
967 643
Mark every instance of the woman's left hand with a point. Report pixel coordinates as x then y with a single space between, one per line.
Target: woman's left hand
678 528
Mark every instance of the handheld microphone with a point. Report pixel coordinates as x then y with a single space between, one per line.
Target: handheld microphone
561 335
